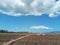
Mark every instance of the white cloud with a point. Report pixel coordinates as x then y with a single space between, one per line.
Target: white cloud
30 7
40 27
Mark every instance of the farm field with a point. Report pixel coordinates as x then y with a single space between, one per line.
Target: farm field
5 37
33 39
39 40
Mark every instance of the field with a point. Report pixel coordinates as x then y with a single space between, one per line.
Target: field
33 39
5 37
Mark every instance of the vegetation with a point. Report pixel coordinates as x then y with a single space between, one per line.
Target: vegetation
34 39
4 31
48 39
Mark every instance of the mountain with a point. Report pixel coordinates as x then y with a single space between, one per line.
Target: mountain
54 32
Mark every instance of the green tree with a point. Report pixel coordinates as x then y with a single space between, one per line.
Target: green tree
4 31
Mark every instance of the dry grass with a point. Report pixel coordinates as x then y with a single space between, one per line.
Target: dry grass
5 37
53 39
39 40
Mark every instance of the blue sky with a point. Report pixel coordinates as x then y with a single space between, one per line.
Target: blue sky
23 23
18 16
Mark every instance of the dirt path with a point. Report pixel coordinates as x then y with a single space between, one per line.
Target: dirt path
12 41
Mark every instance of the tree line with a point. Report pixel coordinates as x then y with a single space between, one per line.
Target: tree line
6 31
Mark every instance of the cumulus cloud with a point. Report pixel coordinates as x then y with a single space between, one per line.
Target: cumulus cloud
40 27
30 7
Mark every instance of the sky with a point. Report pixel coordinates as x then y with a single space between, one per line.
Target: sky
36 16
